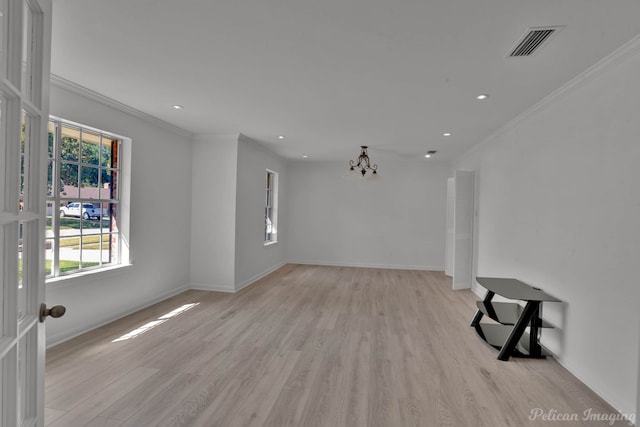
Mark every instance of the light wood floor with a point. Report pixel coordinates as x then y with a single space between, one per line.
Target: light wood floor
308 346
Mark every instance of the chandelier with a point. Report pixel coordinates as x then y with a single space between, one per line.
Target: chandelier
363 162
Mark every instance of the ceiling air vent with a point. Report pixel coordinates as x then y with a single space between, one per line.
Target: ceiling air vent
532 40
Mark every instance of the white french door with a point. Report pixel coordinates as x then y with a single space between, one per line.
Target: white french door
25 34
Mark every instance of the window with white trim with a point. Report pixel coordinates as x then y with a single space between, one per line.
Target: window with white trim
271 208
83 199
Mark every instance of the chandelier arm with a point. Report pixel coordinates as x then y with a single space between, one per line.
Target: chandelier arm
363 162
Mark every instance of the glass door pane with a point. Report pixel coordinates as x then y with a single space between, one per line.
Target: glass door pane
51 188
3 38
24 159
3 135
27 52
27 257
22 293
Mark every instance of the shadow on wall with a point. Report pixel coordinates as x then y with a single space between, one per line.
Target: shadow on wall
553 339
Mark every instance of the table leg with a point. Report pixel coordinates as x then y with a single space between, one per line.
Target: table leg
535 350
478 316
510 344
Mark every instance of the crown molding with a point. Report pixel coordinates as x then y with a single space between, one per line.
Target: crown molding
109 102
618 56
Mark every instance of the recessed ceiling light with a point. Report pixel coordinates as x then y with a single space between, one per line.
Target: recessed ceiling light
280 136
446 134
482 96
178 107
305 157
427 155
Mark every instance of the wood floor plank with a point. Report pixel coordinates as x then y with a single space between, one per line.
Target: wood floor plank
163 405
89 408
307 346
103 422
50 415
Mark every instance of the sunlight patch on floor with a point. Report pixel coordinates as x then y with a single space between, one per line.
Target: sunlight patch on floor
148 326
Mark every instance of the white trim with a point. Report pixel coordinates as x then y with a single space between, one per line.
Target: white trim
210 287
629 49
259 276
60 338
370 265
86 127
109 102
591 387
238 287
83 276
478 290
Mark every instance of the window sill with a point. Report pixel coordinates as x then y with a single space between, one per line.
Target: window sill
270 243
86 276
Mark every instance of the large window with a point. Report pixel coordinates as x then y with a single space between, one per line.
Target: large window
83 199
271 208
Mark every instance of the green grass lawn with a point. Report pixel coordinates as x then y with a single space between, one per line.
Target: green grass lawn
74 223
65 266
88 242
69 265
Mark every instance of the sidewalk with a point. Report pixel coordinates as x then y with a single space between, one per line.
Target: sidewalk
88 255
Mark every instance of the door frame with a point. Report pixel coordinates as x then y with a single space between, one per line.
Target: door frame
25 42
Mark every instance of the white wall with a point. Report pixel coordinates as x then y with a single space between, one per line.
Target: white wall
159 235
559 208
227 237
397 221
213 212
253 258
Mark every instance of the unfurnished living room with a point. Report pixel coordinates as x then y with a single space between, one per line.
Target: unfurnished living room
337 213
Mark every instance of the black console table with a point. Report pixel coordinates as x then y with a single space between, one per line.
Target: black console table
508 335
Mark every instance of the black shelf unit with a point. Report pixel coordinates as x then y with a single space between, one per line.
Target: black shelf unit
509 335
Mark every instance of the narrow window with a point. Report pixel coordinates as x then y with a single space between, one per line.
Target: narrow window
271 208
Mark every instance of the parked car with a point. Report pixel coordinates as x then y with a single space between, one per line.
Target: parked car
105 210
87 210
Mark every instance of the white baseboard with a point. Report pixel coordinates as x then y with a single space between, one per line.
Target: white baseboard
259 276
211 287
60 338
369 265
627 412
238 286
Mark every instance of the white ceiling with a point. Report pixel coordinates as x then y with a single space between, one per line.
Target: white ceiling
331 75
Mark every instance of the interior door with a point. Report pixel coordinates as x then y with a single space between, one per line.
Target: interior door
463 215
25 34
450 237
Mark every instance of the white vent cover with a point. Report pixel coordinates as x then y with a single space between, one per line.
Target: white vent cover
531 41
